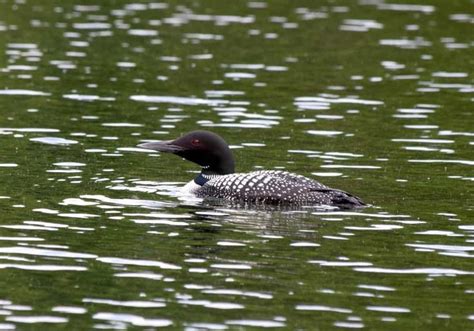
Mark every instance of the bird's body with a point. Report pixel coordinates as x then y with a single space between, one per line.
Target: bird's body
273 187
218 180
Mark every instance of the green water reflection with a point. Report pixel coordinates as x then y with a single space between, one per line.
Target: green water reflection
370 97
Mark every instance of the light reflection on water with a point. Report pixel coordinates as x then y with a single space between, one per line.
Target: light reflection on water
95 226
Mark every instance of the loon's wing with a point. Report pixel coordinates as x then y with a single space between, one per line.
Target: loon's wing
275 187
295 179
314 191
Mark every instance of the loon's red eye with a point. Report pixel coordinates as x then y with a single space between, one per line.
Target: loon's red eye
195 142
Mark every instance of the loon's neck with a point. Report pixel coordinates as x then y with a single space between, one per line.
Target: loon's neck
220 164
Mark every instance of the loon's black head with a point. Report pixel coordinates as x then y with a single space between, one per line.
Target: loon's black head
205 148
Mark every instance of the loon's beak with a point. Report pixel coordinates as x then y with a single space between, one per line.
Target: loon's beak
167 146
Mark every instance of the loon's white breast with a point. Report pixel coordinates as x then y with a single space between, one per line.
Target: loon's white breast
191 188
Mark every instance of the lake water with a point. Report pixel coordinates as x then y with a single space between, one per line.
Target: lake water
370 97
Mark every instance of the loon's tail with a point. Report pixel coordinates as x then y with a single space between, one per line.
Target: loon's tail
346 200
342 200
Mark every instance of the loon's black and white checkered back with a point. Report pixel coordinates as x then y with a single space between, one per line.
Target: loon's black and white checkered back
273 187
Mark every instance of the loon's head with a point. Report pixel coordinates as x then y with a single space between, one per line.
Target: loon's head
205 148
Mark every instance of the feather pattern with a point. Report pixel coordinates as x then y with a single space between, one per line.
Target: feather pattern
273 187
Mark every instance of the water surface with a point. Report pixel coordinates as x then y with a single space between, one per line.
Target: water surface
370 97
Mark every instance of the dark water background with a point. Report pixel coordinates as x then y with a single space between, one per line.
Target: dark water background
374 98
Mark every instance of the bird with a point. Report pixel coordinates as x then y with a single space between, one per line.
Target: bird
218 180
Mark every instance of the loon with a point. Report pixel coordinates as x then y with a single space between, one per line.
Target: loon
218 179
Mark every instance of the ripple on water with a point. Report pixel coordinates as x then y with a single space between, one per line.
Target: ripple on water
45 252
42 267
238 293
27 227
304 244
230 244
24 46
327 174
135 320
233 266
377 287
340 263
358 25
69 164
211 304
135 149
240 75
122 125
135 304
159 222
92 26
33 130
54 141
85 97
302 102
324 133
149 263
416 43
203 36
21 68
433 161
440 233
37 319
142 32
220 20
375 227
78 215
388 309
448 250
47 224
323 308
415 271
178 100
24 92
124 202
21 238
141 275
207 326
425 9
235 125
348 166
256 323
424 141
69 310
222 93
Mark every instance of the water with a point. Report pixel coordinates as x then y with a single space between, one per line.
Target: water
374 98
